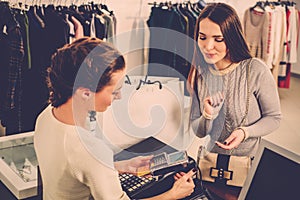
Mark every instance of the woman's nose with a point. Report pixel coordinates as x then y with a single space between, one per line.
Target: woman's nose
209 44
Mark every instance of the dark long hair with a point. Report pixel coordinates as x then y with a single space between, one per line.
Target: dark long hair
87 62
226 17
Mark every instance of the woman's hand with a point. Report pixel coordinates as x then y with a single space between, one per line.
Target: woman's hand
184 185
136 166
234 140
213 104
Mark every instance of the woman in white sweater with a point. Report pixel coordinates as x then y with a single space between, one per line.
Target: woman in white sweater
76 164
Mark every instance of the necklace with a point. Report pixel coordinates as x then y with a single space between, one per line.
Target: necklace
226 67
223 71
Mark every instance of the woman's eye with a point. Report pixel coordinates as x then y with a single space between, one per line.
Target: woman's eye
219 39
202 38
115 93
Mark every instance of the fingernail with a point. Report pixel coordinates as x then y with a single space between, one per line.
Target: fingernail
225 143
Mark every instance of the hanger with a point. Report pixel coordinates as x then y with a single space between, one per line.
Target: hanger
104 6
58 5
81 8
4 2
287 3
201 4
93 6
143 82
191 8
73 5
154 4
179 8
270 4
21 6
127 81
104 9
164 5
259 6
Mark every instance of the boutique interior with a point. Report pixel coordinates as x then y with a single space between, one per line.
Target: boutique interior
134 27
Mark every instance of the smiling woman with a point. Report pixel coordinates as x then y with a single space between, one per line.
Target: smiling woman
221 83
211 43
234 97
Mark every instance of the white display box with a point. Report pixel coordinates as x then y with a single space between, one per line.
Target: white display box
18 165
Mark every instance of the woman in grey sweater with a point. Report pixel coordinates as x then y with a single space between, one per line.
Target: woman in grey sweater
234 97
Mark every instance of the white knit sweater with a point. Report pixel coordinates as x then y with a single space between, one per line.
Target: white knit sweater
69 164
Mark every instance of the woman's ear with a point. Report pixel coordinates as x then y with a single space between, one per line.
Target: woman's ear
84 93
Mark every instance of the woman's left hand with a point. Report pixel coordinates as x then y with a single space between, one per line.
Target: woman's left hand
233 141
137 165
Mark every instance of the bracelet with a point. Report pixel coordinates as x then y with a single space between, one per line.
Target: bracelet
207 116
244 132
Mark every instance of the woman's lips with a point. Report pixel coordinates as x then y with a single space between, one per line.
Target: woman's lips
209 55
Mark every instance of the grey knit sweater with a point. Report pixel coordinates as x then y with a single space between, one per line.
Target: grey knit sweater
264 107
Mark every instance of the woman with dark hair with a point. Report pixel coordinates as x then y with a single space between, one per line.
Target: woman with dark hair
76 163
234 98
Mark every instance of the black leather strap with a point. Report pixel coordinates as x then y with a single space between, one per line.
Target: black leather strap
222 166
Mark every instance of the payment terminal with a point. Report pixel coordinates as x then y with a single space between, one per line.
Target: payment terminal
165 163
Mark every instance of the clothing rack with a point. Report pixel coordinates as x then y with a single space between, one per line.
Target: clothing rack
280 53
170 3
28 3
266 3
288 3
31 34
180 16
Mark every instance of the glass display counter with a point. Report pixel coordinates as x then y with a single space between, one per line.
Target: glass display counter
18 165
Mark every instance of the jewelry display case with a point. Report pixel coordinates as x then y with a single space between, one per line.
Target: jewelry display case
18 165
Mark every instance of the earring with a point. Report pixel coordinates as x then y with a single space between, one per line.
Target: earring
86 96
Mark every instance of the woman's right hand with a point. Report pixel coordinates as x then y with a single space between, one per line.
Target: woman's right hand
213 104
183 186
